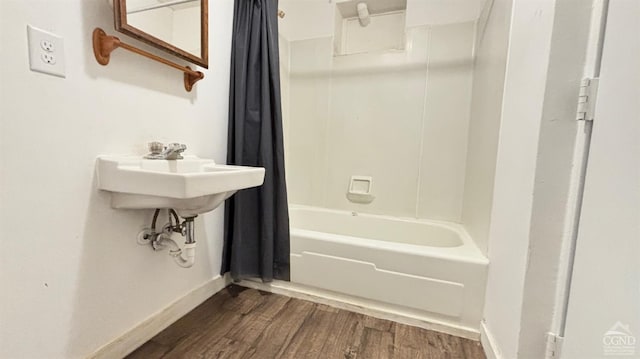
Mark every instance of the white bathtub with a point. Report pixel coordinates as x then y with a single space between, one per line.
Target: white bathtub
426 267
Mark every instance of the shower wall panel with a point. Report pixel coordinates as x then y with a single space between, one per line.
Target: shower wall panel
400 116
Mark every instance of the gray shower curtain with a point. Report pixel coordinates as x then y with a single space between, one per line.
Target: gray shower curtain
256 234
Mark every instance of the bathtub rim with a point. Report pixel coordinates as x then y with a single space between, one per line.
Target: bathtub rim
467 252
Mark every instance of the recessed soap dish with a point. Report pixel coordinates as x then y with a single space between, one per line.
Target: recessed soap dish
359 190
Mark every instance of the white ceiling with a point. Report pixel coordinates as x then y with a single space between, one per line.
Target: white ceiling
307 19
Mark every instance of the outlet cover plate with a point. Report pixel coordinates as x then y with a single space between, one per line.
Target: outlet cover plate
40 57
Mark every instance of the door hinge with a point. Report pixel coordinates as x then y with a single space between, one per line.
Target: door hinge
554 346
587 99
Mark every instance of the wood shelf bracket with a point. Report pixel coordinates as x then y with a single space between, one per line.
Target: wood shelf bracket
104 44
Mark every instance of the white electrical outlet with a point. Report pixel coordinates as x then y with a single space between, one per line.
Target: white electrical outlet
47 45
46 52
48 58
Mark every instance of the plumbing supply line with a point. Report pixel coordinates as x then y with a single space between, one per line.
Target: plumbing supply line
175 215
155 219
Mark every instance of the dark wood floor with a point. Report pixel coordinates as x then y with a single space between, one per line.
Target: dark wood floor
246 323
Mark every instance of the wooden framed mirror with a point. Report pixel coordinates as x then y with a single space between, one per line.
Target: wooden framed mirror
179 27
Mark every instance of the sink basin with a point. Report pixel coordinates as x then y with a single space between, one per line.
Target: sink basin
190 186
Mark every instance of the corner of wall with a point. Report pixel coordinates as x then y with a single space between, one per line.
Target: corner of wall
560 151
147 329
514 184
490 60
488 343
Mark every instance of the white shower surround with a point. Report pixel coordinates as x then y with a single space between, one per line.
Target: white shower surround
401 117
430 268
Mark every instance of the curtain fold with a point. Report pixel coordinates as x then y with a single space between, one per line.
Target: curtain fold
256 234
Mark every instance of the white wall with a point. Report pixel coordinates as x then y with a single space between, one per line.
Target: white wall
446 122
157 22
441 12
308 114
605 288
373 128
187 28
306 19
385 31
353 115
492 39
561 137
180 26
534 181
515 170
74 276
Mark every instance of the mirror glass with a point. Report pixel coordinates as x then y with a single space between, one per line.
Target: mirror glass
176 26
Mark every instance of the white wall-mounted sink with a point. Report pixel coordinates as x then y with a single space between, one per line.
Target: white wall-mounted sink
190 186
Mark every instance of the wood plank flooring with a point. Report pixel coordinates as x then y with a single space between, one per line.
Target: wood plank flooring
246 323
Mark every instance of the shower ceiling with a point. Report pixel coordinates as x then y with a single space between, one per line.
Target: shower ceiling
307 19
348 8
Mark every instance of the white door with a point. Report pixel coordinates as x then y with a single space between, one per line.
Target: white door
603 318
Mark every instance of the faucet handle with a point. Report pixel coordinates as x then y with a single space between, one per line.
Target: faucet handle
156 148
177 147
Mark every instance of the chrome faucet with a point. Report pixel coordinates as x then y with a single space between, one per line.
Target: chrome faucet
172 151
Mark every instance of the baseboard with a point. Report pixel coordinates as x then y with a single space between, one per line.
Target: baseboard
362 306
488 342
157 322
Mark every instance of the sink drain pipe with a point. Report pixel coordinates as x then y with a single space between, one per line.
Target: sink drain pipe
185 257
